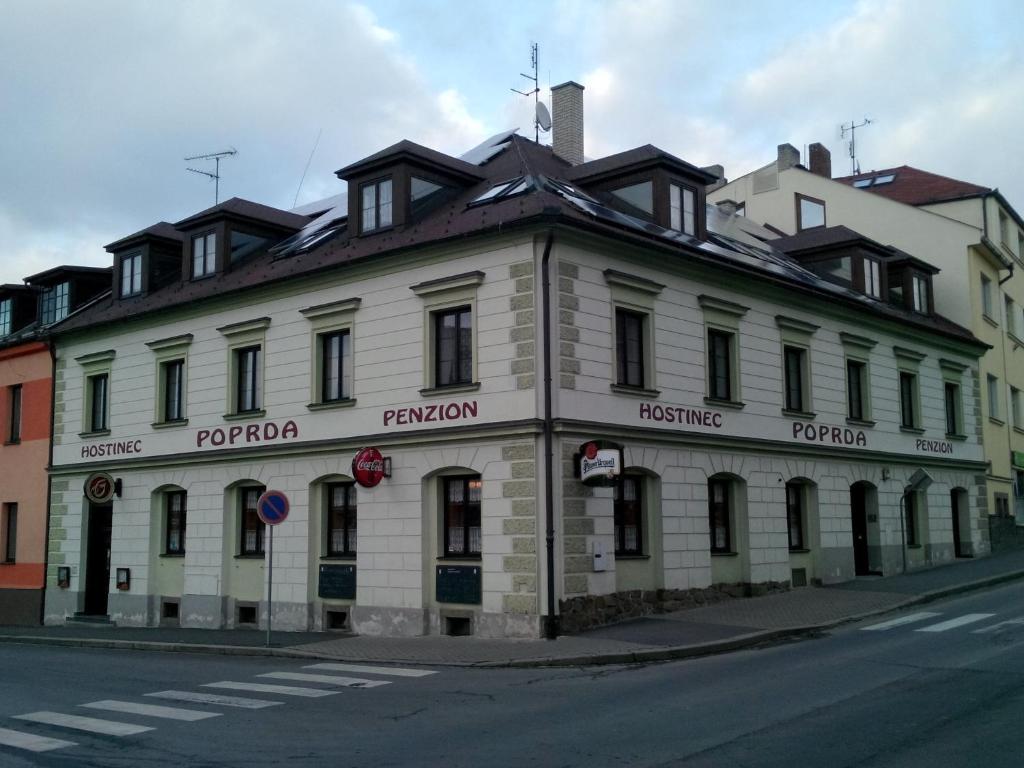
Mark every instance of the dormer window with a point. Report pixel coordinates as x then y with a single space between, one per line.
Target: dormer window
639 198
682 205
872 278
244 244
204 255
6 310
376 201
810 213
57 302
919 287
131 274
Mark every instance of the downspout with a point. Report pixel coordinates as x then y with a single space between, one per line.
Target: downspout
49 480
551 619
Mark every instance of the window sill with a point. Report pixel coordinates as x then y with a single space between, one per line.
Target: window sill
172 554
13 442
734 404
169 424
207 276
799 551
997 421
724 554
348 402
250 557
8 562
1015 338
626 389
955 437
245 415
989 320
450 389
346 558
1019 430
808 415
912 430
859 422
631 557
913 546
460 558
97 433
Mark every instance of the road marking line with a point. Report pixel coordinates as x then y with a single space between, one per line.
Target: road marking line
908 619
345 682
151 710
959 621
366 670
198 697
91 724
31 742
285 690
994 627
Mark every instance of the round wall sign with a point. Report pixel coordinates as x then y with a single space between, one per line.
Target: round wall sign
272 507
368 467
99 488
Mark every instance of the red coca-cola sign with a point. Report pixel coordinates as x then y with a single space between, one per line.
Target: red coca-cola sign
368 467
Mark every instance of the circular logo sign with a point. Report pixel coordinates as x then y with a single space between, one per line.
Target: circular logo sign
590 451
99 488
368 467
272 507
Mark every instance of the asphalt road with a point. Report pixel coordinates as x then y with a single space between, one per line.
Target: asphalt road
944 687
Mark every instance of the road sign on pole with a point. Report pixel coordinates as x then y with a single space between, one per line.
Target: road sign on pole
272 508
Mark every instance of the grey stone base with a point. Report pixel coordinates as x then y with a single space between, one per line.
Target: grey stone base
1005 534
60 604
288 617
937 554
513 625
22 607
202 611
835 565
388 622
129 610
582 613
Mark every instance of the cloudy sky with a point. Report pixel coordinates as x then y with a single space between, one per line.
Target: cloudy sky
100 101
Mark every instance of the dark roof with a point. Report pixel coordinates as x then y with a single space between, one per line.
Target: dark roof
640 157
245 209
66 270
825 238
547 199
162 230
916 187
411 151
10 288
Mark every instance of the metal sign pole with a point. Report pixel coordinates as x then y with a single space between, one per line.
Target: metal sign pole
270 584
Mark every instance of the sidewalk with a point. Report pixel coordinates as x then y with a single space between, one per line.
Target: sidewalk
717 628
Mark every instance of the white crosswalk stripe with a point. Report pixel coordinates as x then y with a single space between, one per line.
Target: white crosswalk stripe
899 622
993 627
151 710
368 670
284 690
345 682
197 697
31 742
959 621
91 724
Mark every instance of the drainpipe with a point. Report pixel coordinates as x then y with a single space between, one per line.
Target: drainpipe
49 479
551 620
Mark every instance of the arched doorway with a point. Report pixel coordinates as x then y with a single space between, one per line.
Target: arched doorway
961 523
864 519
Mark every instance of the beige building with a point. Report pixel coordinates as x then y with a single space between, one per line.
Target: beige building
969 232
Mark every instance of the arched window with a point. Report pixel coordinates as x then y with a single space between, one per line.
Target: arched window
629 507
340 514
719 515
461 516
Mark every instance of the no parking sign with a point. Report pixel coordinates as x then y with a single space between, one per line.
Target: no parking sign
272 507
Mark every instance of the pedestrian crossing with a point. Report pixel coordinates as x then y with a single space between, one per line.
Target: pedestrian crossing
911 620
317 675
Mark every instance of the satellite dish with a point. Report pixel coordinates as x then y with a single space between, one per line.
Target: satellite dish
543 117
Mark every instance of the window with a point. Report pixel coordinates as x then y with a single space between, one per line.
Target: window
908 397
335 366
795 362
856 390
952 408
376 205
810 213
872 278
14 412
175 507
993 397
10 532
423 195
98 386
204 254
5 316
629 348
247 380
244 244
920 288
986 297
682 204
720 365
795 516
718 516
131 274
910 517
1016 408
462 516
173 383
1002 505
453 347
56 303
638 199
251 525
629 515
1004 229
1011 317
341 520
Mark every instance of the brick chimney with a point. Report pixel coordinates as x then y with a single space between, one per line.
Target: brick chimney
789 156
567 121
820 160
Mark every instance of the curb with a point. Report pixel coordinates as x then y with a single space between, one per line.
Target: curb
672 653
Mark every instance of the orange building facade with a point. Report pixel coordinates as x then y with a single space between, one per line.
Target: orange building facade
25 402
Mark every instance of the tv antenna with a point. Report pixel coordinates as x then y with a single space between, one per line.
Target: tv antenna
216 157
852 130
541 116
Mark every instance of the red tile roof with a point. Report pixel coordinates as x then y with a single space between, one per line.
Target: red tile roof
916 187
